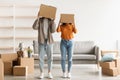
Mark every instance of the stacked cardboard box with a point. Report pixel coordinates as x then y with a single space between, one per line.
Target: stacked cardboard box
111 68
8 59
20 70
29 62
8 68
1 70
17 66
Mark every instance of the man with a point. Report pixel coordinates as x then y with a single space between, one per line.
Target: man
45 29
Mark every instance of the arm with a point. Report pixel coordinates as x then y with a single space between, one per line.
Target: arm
74 29
58 28
53 26
36 23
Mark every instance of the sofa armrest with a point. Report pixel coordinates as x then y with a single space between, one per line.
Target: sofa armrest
97 53
35 47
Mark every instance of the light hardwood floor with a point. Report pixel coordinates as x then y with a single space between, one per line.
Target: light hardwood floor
79 72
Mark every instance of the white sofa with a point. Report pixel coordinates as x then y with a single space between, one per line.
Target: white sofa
83 51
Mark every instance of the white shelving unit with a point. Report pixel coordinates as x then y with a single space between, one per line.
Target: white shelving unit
16 26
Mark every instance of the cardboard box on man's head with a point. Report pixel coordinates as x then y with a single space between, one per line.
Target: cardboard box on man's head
47 11
67 18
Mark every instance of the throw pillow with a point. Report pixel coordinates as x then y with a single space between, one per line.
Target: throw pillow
108 57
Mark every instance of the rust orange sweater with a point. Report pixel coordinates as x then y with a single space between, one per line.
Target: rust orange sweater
67 31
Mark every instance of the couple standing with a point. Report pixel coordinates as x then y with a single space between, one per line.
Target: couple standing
45 39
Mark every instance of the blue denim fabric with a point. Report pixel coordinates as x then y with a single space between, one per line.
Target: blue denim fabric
66 47
45 49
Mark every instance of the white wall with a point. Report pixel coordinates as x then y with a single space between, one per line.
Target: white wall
97 20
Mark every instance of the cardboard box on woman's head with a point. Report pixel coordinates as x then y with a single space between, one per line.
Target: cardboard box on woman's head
67 18
47 11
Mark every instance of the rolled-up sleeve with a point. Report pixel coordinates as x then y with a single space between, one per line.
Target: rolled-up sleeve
74 29
58 29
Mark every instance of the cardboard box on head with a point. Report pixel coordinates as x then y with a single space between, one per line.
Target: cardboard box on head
47 11
67 18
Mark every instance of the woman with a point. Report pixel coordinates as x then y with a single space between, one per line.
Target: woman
66 45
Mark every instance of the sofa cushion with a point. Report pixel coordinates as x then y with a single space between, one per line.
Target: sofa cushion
75 57
84 56
83 47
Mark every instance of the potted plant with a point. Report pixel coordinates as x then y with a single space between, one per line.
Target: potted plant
29 51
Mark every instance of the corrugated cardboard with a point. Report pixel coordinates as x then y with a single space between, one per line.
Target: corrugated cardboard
47 11
111 72
15 63
67 18
108 65
108 51
117 62
118 68
8 56
20 70
27 62
1 70
8 68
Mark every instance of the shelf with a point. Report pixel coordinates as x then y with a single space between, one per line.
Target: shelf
8 37
27 6
26 38
6 48
11 16
1 5
25 16
6 16
6 27
23 27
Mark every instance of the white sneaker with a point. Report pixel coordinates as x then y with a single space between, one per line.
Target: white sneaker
50 75
41 75
69 75
64 75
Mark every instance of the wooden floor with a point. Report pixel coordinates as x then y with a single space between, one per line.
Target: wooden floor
79 72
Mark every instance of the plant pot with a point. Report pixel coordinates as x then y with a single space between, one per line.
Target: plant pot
29 55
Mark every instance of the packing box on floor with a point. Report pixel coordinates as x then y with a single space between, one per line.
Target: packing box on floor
67 18
15 63
8 68
117 62
1 70
108 65
20 70
47 11
29 62
8 56
111 72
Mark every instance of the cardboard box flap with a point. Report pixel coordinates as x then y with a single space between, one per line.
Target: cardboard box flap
67 18
47 11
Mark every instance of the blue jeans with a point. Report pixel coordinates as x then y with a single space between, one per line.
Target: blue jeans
45 49
66 47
